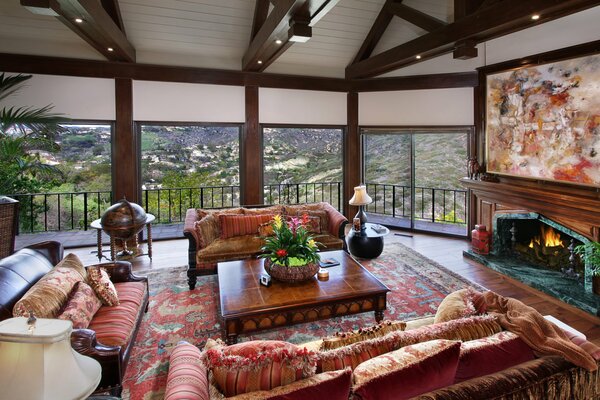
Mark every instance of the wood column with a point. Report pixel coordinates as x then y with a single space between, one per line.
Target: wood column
125 146
352 156
251 157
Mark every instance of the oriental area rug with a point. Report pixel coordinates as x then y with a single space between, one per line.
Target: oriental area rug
417 286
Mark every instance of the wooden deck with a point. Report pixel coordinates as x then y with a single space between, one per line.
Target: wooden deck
447 251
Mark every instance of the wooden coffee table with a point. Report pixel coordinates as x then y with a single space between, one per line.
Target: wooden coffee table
247 306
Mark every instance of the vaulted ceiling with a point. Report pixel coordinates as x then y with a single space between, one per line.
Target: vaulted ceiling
351 38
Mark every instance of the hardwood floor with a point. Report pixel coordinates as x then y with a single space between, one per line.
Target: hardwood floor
446 251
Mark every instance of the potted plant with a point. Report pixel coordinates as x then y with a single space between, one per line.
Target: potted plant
290 253
590 255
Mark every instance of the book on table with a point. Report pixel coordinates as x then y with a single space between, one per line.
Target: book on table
328 262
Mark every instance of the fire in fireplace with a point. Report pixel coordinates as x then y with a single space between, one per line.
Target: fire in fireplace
546 249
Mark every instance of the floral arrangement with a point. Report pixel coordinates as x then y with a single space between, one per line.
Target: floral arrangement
291 244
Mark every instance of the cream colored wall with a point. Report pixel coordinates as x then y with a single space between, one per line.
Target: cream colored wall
168 101
417 107
80 98
286 106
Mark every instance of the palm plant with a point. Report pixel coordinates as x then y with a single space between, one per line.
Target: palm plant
24 131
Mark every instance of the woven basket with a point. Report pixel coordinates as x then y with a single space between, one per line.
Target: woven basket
291 274
9 221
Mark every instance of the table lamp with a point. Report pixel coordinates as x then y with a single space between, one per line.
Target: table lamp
37 361
361 199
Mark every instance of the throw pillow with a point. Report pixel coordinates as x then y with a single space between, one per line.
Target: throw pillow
105 290
408 372
460 329
47 296
187 378
207 229
81 306
257 365
265 230
460 304
345 338
240 225
491 354
334 385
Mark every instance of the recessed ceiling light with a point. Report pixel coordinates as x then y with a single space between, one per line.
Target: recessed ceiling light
278 41
78 20
418 57
259 61
110 49
535 17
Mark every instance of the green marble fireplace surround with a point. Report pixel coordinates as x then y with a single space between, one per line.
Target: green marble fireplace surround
577 292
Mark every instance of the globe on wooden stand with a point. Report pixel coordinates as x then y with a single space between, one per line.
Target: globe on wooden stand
123 221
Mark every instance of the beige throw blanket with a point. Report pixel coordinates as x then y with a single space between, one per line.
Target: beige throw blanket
541 335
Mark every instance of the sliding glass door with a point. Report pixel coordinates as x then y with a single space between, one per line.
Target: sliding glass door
413 176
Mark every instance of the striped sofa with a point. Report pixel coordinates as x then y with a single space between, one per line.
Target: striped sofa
111 333
232 234
547 377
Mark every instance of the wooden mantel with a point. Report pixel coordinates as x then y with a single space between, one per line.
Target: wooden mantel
576 207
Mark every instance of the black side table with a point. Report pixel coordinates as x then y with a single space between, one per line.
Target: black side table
366 243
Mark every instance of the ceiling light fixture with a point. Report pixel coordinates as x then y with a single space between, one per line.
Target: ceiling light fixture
418 57
259 61
78 20
299 32
110 49
535 17
278 41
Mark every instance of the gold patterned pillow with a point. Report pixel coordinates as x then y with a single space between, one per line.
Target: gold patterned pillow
99 280
345 338
50 293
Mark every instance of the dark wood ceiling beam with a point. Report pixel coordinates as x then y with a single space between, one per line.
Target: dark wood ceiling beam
98 27
114 11
261 11
487 23
263 46
374 36
462 8
415 17
20 63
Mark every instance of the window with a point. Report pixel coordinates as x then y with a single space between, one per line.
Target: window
303 165
413 177
189 166
82 189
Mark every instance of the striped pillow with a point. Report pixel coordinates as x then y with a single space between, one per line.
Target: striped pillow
240 225
257 365
187 377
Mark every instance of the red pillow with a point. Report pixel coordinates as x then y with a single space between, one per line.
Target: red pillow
81 306
407 372
240 225
491 354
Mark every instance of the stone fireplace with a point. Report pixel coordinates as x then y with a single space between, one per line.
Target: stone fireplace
533 232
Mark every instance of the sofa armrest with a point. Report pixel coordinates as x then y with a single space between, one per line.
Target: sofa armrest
337 222
120 271
84 342
189 228
52 250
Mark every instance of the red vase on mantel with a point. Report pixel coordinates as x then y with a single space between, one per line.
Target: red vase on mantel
480 240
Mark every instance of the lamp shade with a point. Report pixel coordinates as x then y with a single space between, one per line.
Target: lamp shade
360 198
39 363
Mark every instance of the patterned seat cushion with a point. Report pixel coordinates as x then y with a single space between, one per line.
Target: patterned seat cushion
50 293
234 248
114 325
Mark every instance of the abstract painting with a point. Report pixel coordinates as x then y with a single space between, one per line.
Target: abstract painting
543 121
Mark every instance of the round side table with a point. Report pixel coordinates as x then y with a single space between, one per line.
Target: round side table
366 243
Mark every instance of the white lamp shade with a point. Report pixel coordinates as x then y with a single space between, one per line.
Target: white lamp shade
41 364
360 198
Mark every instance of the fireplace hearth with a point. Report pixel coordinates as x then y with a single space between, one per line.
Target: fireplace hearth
539 252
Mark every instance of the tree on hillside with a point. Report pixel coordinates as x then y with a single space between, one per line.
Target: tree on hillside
24 132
